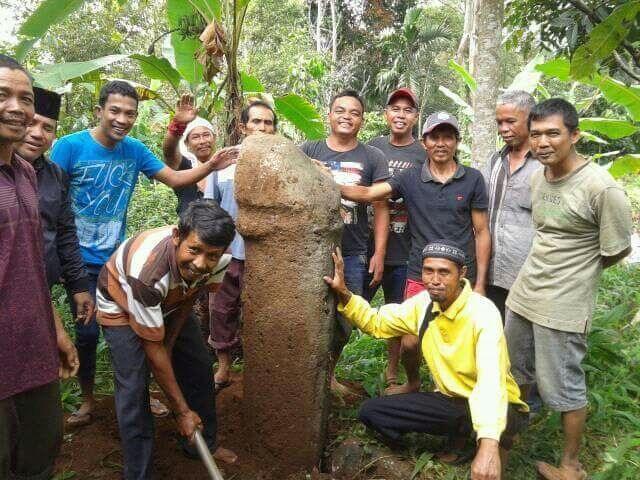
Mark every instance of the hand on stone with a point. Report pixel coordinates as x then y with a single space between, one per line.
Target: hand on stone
223 158
337 283
185 109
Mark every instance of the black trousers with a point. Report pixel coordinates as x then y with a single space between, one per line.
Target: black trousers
498 296
192 366
432 413
30 433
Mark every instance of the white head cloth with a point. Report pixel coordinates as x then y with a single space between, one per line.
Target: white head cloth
195 123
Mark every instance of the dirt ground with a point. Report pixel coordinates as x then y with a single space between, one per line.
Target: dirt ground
93 452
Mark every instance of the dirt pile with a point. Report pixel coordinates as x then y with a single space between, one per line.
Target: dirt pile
289 218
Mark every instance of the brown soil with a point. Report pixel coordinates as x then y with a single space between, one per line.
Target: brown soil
93 452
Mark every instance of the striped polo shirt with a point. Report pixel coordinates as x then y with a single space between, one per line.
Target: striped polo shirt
140 285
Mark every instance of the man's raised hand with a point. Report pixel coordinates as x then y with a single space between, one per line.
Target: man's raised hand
185 109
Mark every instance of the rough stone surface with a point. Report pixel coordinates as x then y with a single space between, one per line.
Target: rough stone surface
289 217
347 459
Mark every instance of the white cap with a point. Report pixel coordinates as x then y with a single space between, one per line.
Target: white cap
195 123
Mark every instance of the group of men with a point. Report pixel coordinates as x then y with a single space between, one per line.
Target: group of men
458 253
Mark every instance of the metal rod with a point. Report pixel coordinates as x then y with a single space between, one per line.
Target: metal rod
207 459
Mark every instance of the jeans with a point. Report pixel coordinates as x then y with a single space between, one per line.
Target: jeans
393 283
30 433
192 366
87 335
355 275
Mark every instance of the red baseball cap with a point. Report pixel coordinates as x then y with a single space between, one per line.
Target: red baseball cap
403 92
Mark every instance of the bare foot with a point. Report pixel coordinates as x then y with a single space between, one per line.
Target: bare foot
225 455
563 472
409 387
341 390
83 416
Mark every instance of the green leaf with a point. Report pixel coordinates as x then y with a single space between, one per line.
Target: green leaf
608 127
466 76
48 13
618 93
422 461
209 9
457 99
529 77
558 68
603 39
593 138
158 69
185 56
56 75
625 165
250 84
302 114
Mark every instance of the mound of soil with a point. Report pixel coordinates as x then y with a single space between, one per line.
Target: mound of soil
94 452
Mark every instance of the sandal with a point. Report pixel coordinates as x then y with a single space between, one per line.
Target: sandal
158 409
79 419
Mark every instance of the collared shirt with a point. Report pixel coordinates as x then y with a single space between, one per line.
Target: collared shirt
61 247
220 187
579 219
440 210
464 347
141 286
510 220
28 350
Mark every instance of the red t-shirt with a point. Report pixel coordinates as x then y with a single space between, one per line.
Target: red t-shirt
28 350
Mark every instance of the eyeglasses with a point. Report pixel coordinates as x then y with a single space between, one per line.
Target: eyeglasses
406 110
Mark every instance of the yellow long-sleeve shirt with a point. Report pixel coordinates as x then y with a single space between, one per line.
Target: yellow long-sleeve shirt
464 348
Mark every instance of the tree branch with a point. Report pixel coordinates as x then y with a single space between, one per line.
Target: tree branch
625 67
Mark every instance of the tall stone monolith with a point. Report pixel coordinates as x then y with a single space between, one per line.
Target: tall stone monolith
289 217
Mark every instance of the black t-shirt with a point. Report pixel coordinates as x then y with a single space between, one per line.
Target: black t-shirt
440 211
187 194
399 159
363 165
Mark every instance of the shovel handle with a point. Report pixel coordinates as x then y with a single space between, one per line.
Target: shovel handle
205 455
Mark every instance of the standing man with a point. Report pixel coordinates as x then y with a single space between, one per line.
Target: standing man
463 344
445 200
61 248
225 305
103 165
583 224
402 151
34 347
353 163
145 296
507 175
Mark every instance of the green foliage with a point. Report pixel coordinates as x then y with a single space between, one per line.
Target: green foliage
628 164
48 13
302 114
55 76
464 75
604 39
611 128
158 69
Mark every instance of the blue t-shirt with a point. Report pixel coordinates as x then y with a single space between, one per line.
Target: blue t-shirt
101 181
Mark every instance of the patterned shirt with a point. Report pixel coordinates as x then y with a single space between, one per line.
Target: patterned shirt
140 285
28 350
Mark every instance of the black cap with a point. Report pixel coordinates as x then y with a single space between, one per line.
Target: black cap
444 249
47 103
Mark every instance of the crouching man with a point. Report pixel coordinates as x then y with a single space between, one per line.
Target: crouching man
461 338
145 294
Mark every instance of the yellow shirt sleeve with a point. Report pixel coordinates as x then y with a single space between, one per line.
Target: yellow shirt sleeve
391 320
488 401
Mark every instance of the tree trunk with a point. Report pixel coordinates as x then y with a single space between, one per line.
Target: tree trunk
484 63
319 21
463 48
334 33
